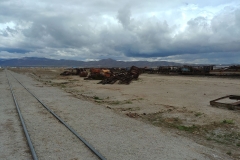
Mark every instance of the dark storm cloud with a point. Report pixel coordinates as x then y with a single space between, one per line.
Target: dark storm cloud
14 50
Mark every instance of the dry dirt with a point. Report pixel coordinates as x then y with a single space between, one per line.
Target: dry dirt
177 103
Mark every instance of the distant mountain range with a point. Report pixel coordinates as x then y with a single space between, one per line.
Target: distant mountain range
44 62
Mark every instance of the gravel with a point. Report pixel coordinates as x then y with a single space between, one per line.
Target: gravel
12 141
113 135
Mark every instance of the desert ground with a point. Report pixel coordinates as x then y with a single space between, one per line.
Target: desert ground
179 104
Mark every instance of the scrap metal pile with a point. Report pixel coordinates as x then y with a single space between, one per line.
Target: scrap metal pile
107 76
75 71
124 77
111 76
226 71
185 70
98 74
201 70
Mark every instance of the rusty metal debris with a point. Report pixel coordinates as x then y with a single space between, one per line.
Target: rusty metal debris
66 73
108 76
75 71
226 71
98 74
212 70
83 74
102 73
124 77
185 70
225 102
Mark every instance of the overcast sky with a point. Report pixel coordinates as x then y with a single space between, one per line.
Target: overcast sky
195 31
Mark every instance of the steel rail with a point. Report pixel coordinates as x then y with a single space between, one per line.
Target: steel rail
99 155
34 155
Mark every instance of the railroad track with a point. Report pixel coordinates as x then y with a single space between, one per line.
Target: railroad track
31 130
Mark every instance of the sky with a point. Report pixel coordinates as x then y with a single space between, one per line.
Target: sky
194 31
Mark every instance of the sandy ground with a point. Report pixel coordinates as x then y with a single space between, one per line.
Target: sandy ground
152 118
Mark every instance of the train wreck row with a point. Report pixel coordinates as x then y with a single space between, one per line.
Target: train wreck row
200 70
126 75
184 70
107 76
